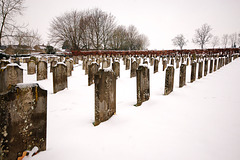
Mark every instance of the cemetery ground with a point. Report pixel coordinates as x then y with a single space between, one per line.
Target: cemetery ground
199 121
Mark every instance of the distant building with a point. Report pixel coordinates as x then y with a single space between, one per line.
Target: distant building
18 49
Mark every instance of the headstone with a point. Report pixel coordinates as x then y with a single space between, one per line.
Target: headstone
12 74
143 84
177 62
108 62
187 61
133 69
200 69
164 63
116 68
127 64
23 120
169 80
156 62
219 62
31 67
182 75
211 66
92 70
59 77
205 67
104 63
215 65
53 63
172 61
193 71
41 70
105 95
69 69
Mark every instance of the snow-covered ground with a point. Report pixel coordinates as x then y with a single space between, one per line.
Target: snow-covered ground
197 122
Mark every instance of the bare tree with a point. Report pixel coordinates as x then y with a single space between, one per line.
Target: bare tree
9 9
215 41
225 40
233 39
119 38
179 41
202 35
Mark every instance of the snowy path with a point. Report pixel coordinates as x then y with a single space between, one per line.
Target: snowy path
199 121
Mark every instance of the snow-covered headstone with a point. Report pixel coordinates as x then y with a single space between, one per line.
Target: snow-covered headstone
205 66
155 68
23 120
116 68
143 84
92 70
12 74
41 70
133 69
31 67
169 80
59 77
105 95
182 75
200 69
193 71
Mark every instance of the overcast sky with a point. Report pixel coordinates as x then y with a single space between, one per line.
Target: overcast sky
159 20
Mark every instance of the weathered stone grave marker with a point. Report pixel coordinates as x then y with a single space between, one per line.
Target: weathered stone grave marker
193 71
143 84
23 120
42 70
31 67
92 70
182 75
169 80
59 77
105 95
133 69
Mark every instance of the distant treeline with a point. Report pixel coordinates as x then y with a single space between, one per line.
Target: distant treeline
94 30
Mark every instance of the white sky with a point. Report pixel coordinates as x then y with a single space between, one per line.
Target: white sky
160 20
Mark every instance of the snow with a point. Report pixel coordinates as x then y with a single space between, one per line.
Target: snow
199 121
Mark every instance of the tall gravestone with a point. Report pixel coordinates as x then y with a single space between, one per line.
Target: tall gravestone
200 69
155 68
92 70
143 84
219 62
88 62
164 63
105 95
59 77
211 66
215 65
169 80
133 69
23 120
193 71
205 67
12 74
31 67
182 75
127 64
172 61
177 62
116 68
41 70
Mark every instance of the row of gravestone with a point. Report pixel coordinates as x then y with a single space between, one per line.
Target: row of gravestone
24 107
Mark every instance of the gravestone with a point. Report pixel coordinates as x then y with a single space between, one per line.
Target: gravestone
215 65
143 84
219 62
205 67
182 75
156 62
92 70
105 95
127 64
193 71
53 63
177 62
12 74
133 69
23 120
151 61
172 61
41 70
69 69
87 66
169 80
187 61
211 66
116 68
31 67
200 69
164 63
108 62
59 77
